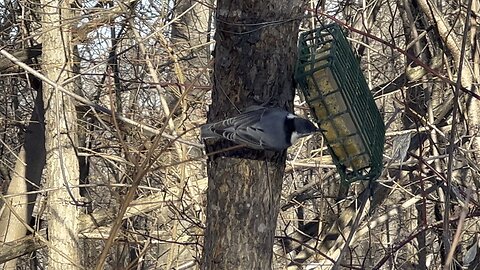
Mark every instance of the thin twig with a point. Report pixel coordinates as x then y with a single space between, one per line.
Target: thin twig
94 106
451 145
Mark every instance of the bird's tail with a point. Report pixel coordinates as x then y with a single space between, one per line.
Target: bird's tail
206 132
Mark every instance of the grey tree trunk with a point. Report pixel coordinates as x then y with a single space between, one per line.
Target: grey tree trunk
254 64
60 122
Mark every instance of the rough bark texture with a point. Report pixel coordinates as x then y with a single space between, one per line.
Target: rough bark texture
254 63
60 121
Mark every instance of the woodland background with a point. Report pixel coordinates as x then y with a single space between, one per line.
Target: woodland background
94 94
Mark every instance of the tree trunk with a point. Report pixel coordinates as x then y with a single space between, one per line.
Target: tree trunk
254 64
60 120
26 175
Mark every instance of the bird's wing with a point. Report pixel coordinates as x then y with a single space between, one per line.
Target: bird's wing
250 136
253 108
257 134
248 129
229 128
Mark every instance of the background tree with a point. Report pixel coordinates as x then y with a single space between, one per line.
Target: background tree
60 136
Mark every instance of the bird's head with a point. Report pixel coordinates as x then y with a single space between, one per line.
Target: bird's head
302 128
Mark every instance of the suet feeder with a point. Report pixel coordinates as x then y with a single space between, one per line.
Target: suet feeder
338 95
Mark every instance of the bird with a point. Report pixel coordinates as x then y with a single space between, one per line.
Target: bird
261 128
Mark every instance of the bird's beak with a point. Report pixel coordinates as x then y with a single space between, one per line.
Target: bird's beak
319 130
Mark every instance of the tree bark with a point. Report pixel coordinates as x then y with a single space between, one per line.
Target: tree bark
254 63
60 121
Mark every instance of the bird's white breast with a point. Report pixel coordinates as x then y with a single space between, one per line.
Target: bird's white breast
294 138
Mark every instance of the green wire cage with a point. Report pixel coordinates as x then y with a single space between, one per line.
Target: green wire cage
337 93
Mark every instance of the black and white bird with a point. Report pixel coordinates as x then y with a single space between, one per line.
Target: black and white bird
261 128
